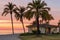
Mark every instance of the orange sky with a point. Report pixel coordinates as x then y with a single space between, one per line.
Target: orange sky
5 20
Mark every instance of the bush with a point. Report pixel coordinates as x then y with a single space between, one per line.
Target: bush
26 34
34 31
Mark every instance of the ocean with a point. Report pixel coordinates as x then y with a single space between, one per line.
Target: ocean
5 28
5 31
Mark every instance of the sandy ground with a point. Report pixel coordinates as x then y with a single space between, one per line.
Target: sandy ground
9 37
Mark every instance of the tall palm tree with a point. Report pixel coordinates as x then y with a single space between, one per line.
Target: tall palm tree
36 8
19 12
9 9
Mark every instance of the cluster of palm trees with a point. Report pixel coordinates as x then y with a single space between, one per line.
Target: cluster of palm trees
36 8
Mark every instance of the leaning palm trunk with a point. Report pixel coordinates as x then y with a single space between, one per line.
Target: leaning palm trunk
23 25
12 23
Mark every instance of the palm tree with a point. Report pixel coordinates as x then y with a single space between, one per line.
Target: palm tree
9 9
36 8
19 15
46 16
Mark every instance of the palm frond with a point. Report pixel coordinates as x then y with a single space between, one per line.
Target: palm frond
17 16
10 5
30 4
47 8
15 11
22 9
42 4
5 12
29 14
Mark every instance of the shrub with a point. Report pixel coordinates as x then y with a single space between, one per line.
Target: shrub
34 31
26 34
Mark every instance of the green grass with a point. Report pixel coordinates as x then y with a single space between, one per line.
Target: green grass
41 37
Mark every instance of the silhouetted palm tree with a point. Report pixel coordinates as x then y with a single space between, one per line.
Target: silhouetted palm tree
35 9
48 19
46 16
9 9
19 15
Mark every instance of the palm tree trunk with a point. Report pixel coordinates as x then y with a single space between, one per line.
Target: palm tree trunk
23 26
37 20
12 23
49 29
38 31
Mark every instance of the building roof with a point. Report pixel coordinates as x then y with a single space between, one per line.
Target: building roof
42 25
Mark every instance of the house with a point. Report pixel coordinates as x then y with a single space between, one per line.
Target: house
44 28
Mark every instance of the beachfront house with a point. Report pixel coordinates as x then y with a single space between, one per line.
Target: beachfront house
44 28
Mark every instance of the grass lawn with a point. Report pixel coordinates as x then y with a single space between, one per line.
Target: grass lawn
41 37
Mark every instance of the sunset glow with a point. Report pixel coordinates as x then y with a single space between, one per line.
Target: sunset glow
5 23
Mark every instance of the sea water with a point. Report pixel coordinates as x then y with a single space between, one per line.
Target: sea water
5 31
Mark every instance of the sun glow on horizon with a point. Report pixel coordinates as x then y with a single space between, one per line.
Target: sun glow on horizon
5 25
